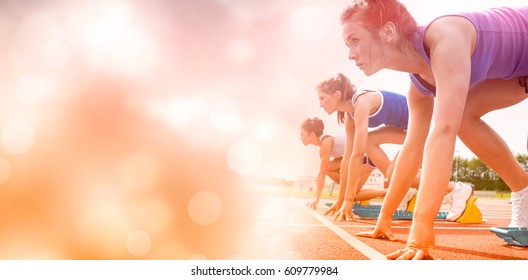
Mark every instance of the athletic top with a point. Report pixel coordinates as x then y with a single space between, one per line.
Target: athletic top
393 110
338 150
501 50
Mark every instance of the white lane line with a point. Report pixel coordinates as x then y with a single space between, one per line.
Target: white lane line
363 248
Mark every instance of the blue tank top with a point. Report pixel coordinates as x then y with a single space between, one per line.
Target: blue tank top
393 110
501 50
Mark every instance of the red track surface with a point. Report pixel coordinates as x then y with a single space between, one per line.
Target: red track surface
284 229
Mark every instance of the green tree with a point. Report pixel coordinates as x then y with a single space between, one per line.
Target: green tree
480 175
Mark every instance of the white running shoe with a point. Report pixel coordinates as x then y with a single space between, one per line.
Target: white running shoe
519 202
410 194
461 194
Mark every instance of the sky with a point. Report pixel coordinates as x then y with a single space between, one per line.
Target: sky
129 108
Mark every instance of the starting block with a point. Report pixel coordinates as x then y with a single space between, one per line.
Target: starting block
373 211
364 202
512 235
472 213
411 203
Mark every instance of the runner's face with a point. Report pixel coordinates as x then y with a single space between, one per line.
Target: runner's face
328 102
305 137
364 50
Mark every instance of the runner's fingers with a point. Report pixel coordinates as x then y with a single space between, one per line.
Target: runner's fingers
366 234
389 235
372 234
395 255
420 255
408 255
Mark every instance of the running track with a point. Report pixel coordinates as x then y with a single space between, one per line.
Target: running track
283 229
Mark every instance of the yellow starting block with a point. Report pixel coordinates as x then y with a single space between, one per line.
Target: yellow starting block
411 203
471 215
364 202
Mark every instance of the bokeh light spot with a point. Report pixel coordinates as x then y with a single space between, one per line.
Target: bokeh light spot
5 171
205 208
108 25
244 157
115 39
18 136
138 243
307 23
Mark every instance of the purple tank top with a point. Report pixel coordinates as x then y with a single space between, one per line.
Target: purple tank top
501 50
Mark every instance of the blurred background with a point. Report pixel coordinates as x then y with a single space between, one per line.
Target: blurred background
135 129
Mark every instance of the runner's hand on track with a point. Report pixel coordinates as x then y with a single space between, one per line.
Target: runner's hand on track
312 204
382 229
345 213
333 209
412 253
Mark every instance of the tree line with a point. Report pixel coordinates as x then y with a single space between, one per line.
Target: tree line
480 175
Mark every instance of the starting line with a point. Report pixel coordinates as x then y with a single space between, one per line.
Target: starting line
363 248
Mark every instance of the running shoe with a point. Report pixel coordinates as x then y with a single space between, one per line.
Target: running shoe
519 202
410 194
461 194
